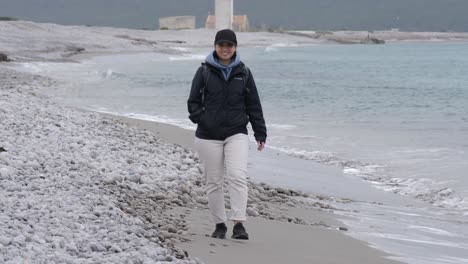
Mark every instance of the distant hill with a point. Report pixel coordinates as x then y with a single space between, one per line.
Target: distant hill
409 15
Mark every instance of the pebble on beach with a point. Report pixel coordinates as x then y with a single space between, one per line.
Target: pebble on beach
80 186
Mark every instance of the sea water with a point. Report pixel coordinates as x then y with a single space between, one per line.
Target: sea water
394 116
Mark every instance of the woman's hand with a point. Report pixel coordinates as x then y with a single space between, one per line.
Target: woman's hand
261 145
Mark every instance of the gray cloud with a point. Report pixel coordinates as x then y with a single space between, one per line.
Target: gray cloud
416 15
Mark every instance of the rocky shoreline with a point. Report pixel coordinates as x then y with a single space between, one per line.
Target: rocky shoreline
83 188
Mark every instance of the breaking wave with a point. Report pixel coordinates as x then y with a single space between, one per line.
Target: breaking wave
426 190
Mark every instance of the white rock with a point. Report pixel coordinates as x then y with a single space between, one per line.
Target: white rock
5 241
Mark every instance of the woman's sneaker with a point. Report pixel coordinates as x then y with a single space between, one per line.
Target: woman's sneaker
239 232
220 231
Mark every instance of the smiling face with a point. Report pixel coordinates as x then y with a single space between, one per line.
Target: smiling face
225 51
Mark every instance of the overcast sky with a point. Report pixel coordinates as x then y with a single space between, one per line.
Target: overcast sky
430 15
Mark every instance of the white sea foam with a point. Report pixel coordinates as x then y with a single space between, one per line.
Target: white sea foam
285 45
278 126
423 189
160 119
188 57
180 49
434 231
432 241
404 213
426 150
270 49
424 260
33 67
275 47
108 73
453 260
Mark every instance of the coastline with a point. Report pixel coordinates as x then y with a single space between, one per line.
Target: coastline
58 43
102 178
314 232
145 203
273 240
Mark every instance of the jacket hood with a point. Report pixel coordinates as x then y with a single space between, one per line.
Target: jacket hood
210 59
225 69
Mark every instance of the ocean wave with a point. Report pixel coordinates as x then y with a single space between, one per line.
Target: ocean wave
270 49
435 231
280 44
426 190
187 57
274 47
278 126
431 241
160 119
108 74
180 49
33 67
36 67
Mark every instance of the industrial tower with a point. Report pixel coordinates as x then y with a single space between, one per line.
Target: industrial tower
224 13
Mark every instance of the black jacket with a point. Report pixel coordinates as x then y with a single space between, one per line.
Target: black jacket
228 105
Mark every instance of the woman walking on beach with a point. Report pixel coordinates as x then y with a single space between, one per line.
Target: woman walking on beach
223 100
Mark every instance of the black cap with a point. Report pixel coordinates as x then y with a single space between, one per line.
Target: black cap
226 35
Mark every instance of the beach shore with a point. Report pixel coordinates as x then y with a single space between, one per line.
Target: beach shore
133 184
317 239
82 187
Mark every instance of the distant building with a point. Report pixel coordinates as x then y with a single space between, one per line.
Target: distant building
177 22
239 23
210 22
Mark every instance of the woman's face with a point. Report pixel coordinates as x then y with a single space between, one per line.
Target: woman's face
225 50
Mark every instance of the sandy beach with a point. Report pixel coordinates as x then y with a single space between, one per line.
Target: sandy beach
316 239
86 187
76 160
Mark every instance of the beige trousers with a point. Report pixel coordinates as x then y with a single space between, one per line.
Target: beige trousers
225 157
